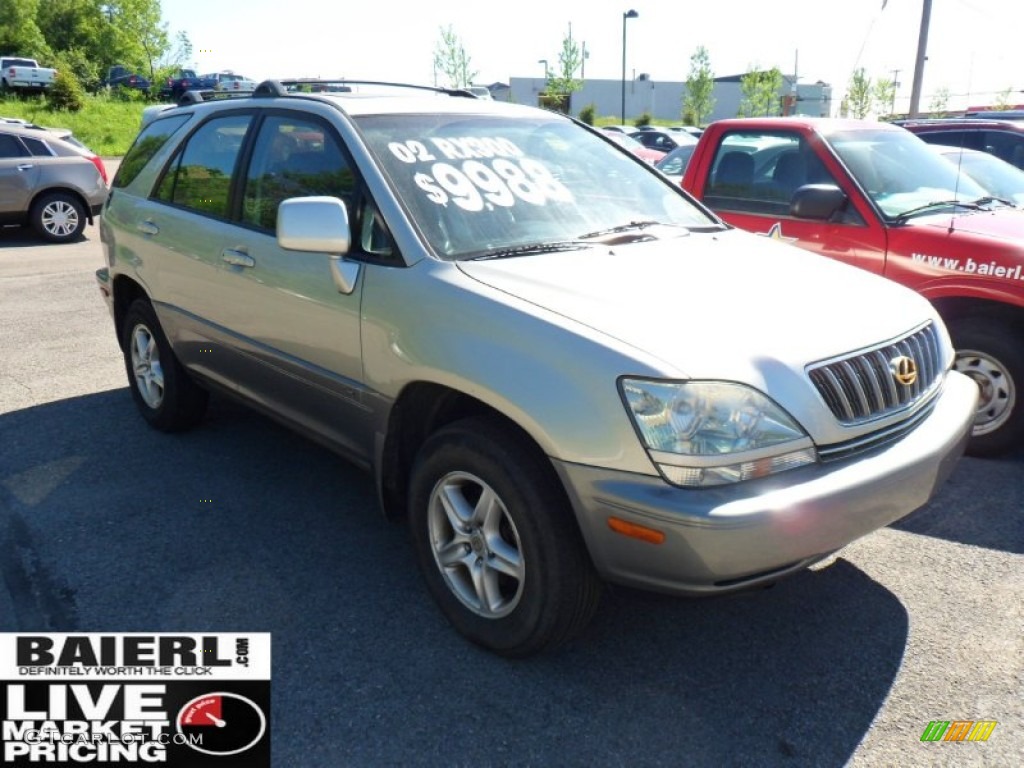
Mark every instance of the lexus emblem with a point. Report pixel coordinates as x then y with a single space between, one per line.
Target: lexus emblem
904 370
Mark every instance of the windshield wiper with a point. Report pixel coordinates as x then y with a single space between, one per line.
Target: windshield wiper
937 204
988 200
621 228
529 249
633 226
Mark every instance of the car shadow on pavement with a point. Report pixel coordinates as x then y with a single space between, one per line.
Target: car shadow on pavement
24 237
959 513
241 525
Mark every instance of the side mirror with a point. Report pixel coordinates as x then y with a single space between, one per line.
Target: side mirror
817 201
318 224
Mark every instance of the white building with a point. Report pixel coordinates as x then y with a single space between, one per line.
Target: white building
664 100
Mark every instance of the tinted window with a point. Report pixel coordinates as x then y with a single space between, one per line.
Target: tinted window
147 144
293 157
200 177
11 147
969 139
1006 146
37 147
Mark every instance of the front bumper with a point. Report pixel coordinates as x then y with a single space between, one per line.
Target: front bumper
731 537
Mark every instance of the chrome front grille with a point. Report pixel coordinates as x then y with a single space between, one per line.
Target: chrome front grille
863 385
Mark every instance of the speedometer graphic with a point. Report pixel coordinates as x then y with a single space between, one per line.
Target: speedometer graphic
221 723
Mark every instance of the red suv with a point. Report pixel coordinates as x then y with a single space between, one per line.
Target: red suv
1002 138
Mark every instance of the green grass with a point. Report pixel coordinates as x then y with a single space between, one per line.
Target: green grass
106 126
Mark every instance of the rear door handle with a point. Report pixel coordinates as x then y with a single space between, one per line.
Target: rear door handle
237 258
26 167
148 228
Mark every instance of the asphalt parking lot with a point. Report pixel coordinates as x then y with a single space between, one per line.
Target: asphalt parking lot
106 525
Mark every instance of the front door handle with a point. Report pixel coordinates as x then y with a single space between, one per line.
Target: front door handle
26 167
237 258
148 228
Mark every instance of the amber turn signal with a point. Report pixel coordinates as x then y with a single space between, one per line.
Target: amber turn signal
635 531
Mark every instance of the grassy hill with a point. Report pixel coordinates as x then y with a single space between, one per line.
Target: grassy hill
106 126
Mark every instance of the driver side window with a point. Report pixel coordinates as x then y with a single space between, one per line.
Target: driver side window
758 172
294 156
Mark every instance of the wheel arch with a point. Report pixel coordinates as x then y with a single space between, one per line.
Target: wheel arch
954 309
420 410
125 291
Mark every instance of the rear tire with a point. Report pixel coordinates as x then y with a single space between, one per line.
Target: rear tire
58 217
988 353
497 542
165 395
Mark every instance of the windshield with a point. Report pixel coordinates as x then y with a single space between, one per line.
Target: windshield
901 173
998 177
675 162
482 184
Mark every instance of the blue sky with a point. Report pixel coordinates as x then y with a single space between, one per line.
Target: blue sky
974 47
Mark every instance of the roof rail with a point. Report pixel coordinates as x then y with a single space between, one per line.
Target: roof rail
198 95
272 88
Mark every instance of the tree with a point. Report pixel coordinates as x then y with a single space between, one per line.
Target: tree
940 101
562 82
1003 100
178 56
105 33
859 94
451 59
885 96
698 101
74 25
19 33
760 92
137 32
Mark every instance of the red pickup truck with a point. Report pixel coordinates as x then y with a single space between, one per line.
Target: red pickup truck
876 196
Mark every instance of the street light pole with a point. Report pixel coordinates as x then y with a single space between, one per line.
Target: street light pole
545 63
630 14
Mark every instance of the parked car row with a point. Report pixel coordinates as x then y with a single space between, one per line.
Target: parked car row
187 80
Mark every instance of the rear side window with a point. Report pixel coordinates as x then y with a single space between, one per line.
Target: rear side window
38 148
200 177
147 144
11 147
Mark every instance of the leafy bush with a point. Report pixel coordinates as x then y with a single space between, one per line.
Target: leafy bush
588 113
644 119
66 92
77 63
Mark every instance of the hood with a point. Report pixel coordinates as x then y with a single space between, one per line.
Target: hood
1000 223
727 305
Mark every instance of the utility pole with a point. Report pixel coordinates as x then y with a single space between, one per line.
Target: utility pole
895 85
922 47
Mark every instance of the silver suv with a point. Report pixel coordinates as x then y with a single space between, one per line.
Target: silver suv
559 367
49 181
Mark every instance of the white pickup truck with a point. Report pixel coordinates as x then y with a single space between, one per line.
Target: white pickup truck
21 74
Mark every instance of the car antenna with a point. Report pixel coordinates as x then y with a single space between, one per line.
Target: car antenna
956 184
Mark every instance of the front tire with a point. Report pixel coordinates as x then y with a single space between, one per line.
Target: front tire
496 540
988 353
58 217
165 395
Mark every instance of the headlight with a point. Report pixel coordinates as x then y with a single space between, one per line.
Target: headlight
703 433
